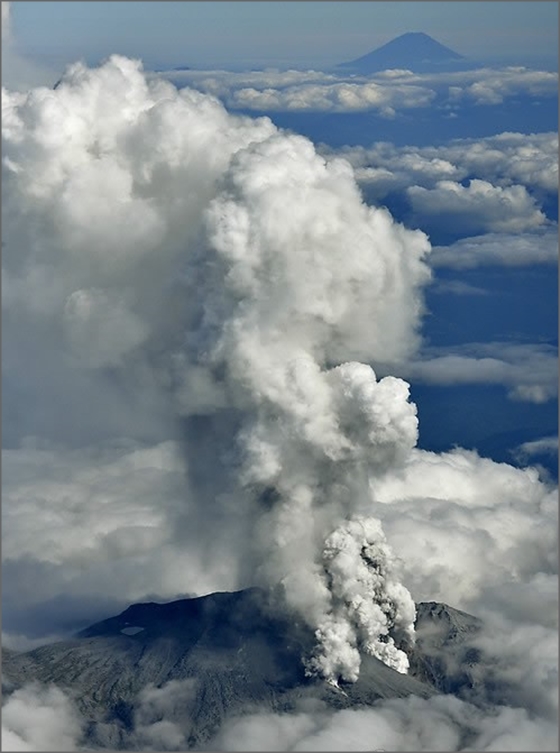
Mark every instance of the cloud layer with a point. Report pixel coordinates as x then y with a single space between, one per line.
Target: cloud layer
499 249
529 371
388 92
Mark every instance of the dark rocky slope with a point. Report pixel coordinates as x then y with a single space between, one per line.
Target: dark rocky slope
240 655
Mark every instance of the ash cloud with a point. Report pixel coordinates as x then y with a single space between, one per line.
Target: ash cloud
123 194
195 307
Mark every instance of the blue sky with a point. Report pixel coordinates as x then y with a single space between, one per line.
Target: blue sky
276 33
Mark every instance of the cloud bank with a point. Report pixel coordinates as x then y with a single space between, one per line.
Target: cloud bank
529 371
499 249
387 92
506 159
476 207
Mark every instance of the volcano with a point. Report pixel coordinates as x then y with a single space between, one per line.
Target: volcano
240 653
414 51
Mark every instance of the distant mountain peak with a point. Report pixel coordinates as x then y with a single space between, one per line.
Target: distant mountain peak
415 50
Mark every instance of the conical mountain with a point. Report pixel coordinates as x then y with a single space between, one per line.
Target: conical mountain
413 51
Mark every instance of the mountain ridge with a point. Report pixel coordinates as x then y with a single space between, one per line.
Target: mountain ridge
236 649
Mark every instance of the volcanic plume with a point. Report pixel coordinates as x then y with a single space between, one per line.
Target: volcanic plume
231 282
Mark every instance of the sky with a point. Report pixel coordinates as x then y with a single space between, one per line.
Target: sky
238 34
270 326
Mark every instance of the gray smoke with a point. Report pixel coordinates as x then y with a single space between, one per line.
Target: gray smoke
228 277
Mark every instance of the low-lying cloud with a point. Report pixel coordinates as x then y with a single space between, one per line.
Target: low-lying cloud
527 370
477 207
38 717
504 160
499 249
388 92
442 723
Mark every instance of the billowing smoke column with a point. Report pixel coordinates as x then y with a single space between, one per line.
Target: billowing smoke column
231 279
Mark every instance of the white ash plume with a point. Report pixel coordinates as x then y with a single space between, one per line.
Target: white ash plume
171 263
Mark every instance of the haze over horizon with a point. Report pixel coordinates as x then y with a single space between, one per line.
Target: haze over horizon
238 35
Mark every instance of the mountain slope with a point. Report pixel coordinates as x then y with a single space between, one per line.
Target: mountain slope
443 656
414 51
233 649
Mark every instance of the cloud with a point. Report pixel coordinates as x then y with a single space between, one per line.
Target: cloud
413 724
529 371
339 97
442 723
6 20
477 207
497 185
274 90
488 86
219 82
499 249
548 445
93 530
387 92
40 718
18 71
493 87
465 526
526 159
161 718
506 159
480 536
277 278
537 452
457 287
15 642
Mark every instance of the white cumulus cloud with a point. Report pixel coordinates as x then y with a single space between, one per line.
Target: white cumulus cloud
499 249
478 206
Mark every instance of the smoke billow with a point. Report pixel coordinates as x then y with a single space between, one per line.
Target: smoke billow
367 602
306 276
209 270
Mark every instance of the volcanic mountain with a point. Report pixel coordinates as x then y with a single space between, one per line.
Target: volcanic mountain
414 51
237 653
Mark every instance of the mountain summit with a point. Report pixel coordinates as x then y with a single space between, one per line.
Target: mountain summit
414 51
224 655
